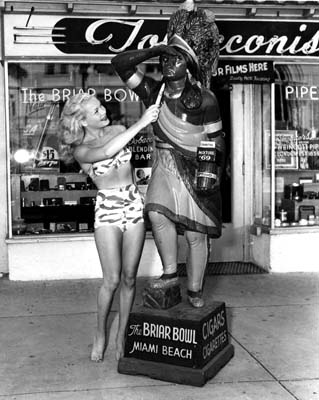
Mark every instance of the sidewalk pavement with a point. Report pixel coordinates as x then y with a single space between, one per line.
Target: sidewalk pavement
46 331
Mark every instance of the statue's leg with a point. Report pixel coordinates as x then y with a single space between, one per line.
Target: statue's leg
198 253
165 237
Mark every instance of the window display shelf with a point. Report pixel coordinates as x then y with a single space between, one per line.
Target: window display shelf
57 197
57 211
301 210
63 218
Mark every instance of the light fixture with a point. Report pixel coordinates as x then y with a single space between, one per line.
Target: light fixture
70 7
22 156
251 12
309 12
132 9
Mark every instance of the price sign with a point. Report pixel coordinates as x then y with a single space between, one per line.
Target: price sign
49 158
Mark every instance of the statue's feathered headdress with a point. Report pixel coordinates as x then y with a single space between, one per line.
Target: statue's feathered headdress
195 32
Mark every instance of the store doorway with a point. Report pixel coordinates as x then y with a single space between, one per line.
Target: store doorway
233 244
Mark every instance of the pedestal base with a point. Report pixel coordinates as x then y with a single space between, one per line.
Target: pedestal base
162 298
176 373
181 344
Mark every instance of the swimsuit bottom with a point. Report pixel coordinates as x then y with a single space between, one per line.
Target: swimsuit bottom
121 207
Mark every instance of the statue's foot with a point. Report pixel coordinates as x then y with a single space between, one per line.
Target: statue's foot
98 349
165 281
195 298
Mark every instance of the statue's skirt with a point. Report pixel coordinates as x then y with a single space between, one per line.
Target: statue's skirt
168 195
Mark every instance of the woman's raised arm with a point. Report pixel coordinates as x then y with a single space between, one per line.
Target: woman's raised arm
85 154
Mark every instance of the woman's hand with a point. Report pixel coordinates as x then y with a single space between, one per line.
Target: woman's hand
150 115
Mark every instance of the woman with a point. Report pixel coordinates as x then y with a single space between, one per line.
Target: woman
101 151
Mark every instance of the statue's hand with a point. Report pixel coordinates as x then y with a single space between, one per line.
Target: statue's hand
168 50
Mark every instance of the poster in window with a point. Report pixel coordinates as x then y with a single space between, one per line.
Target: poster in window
308 153
39 136
286 152
286 149
142 158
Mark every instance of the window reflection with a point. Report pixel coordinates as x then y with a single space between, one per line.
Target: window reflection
37 94
296 145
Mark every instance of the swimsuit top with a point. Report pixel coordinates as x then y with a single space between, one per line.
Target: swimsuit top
100 168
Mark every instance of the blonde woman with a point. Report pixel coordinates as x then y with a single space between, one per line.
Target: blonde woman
100 149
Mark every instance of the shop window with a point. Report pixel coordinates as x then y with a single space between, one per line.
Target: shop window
54 69
49 69
296 145
47 195
261 145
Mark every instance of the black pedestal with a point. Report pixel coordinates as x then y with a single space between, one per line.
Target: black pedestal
181 345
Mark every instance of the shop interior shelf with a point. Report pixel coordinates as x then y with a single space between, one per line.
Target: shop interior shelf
77 213
65 195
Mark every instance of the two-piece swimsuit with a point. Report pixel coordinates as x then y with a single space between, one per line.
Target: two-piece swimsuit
120 206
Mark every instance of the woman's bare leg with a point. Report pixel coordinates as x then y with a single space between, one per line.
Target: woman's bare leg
109 245
133 242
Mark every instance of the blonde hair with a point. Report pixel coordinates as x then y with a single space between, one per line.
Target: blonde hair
71 131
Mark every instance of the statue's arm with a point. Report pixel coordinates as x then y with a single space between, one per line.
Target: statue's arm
125 63
211 118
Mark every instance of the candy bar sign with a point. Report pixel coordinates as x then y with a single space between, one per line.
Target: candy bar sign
186 342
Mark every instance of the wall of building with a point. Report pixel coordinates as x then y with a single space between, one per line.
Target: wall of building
76 257
294 251
286 251
3 175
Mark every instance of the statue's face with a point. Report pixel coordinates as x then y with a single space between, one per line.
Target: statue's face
173 66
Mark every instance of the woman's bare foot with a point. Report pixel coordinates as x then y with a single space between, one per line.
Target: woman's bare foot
119 347
98 349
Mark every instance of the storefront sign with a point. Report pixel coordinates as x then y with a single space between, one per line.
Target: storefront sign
302 92
245 72
53 35
35 98
180 340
